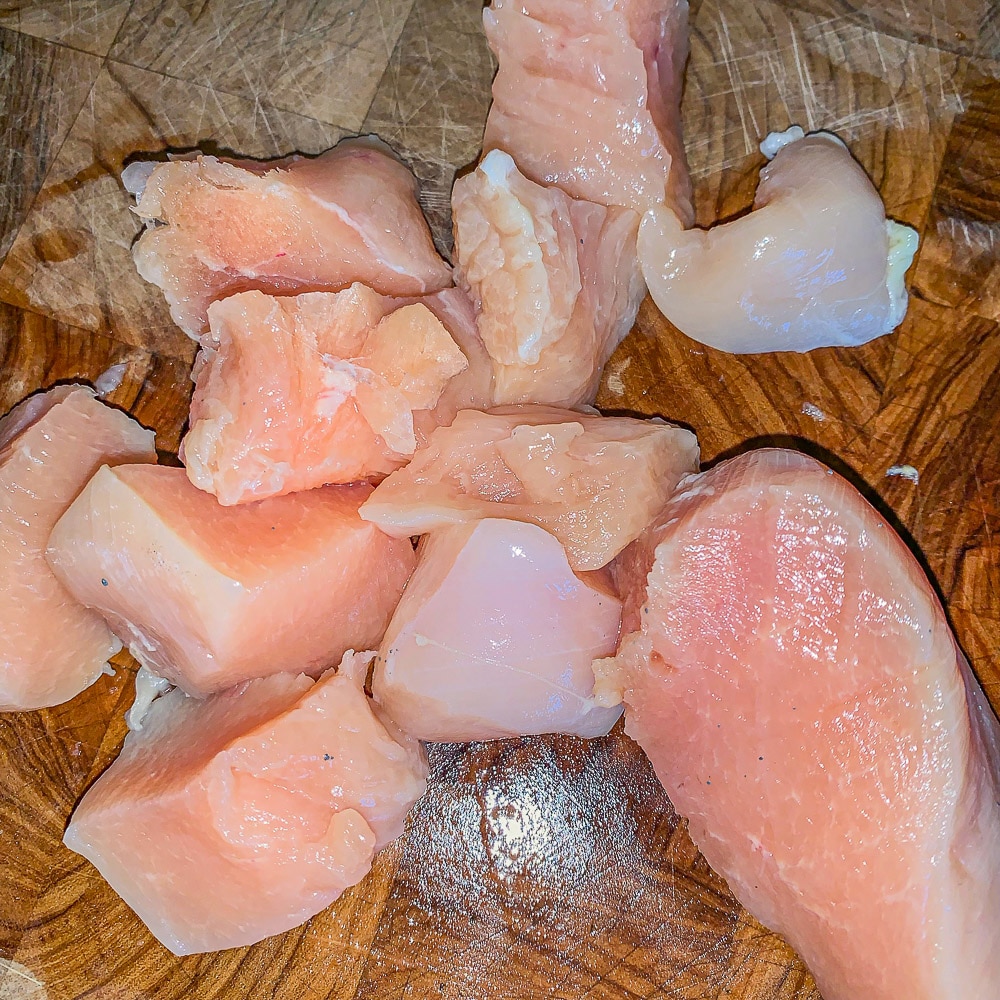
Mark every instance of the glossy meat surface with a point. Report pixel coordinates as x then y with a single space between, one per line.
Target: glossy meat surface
495 637
51 647
587 97
790 673
303 225
815 264
209 596
556 282
293 392
594 482
228 820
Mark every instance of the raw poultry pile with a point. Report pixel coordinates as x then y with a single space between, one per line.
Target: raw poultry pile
776 649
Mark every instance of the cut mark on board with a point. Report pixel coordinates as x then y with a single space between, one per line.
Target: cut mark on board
17 982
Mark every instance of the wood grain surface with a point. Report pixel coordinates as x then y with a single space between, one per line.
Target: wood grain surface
537 868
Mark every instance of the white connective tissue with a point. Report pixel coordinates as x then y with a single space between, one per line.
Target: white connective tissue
110 379
904 472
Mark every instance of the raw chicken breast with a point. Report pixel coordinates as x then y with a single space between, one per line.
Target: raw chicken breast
470 655
587 97
303 225
792 677
294 392
815 264
594 482
228 820
556 282
208 596
51 647
471 388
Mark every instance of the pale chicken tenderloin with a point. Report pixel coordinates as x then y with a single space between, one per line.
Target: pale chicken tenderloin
815 264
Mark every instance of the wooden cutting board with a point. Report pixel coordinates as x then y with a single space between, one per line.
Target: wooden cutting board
542 867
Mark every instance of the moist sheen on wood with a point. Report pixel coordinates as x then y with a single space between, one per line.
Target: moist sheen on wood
535 868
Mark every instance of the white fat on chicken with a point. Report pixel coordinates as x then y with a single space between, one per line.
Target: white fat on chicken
148 687
815 264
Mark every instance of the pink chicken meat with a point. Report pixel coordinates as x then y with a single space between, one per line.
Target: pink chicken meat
470 655
228 820
471 388
51 647
556 282
587 97
294 392
594 482
302 225
792 677
208 596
